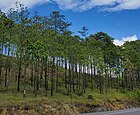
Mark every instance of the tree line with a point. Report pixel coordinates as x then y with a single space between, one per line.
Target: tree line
41 52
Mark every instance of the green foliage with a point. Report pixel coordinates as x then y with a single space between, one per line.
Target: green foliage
79 93
90 97
134 96
38 47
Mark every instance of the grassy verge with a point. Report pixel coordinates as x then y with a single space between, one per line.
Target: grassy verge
9 99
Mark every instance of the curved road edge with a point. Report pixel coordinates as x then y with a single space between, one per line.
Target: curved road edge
134 111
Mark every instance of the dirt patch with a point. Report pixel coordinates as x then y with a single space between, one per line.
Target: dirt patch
41 109
107 106
62 109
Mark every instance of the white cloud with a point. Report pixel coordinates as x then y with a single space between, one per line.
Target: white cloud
67 4
118 42
6 5
123 40
78 5
131 38
107 5
126 5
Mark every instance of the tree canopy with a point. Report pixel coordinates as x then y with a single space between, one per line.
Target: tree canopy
33 51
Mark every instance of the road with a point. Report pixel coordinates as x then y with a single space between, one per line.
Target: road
135 111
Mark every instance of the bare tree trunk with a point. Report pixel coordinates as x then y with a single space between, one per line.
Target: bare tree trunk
41 75
84 79
65 73
69 79
7 69
6 73
73 80
38 75
57 66
79 75
24 91
46 79
36 78
52 77
1 53
19 75
31 73
91 74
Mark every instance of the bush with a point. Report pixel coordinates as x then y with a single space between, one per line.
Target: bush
90 97
79 93
135 95
64 92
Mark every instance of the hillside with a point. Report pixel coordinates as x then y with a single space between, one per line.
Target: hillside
45 67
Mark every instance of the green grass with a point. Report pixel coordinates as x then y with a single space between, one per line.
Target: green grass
10 99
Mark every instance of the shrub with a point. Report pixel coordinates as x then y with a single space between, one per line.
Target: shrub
90 97
79 93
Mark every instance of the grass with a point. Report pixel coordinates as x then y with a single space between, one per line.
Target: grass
61 102
10 99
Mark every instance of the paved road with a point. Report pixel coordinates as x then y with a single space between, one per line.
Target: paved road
135 111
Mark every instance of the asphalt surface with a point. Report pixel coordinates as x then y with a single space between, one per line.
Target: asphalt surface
135 111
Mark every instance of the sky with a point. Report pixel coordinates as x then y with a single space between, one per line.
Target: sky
118 18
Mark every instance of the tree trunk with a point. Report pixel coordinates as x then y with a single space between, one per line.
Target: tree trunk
79 76
84 79
1 53
52 77
38 75
41 75
91 74
57 74
69 79
36 78
31 73
46 79
65 73
73 80
19 75
24 91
